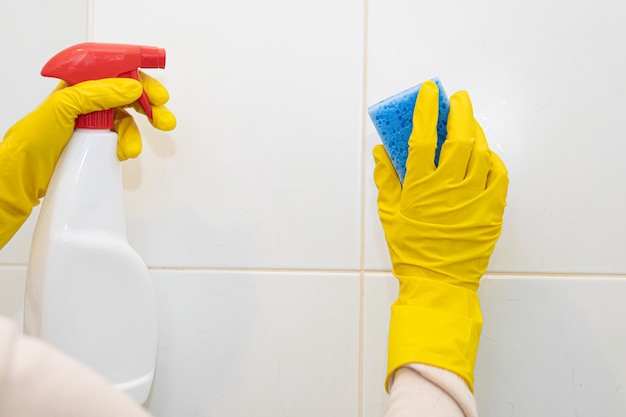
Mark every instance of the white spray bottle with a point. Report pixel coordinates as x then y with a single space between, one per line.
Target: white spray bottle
88 292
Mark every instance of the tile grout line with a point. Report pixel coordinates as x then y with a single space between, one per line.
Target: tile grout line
363 206
90 20
361 271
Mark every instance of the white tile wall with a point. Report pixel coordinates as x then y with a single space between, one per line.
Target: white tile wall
264 169
12 292
250 212
550 346
380 291
262 344
32 31
247 343
546 80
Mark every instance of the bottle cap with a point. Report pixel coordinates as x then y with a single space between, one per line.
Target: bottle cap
103 119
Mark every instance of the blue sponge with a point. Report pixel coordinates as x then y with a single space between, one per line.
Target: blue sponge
393 119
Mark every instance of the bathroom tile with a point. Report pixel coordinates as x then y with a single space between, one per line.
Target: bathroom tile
262 344
549 346
380 292
548 100
31 34
552 346
263 169
12 280
16 251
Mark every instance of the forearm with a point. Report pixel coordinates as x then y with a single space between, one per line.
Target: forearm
433 340
24 178
419 390
37 380
435 323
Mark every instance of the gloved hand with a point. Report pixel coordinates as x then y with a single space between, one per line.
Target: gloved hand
31 148
129 137
441 228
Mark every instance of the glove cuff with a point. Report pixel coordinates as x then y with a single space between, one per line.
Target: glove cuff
436 324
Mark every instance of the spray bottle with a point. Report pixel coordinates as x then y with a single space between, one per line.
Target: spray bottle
88 292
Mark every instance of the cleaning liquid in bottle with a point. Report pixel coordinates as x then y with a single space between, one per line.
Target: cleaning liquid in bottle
88 292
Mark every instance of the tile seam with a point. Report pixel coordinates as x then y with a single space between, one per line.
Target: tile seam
358 271
362 270
90 20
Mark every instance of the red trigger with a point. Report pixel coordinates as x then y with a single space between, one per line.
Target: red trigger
143 100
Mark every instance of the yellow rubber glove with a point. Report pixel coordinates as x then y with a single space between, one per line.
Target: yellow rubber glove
441 228
130 144
31 148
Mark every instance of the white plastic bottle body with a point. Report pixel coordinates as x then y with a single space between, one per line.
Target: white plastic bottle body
88 292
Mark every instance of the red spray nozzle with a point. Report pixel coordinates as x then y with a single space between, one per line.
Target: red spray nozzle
94 61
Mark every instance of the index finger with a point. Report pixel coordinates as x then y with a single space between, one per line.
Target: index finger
423 139
157 93
162 117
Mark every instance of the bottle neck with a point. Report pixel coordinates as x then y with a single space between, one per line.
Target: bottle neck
87 182
103 119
